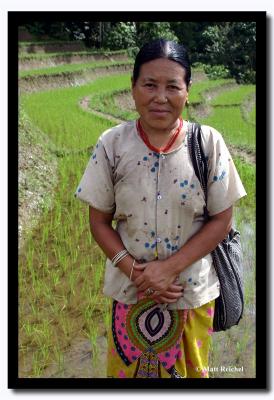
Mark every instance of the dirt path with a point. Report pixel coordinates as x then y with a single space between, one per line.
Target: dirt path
211 94
84 104
204 109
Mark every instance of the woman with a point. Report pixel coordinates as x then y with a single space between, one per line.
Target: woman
159 270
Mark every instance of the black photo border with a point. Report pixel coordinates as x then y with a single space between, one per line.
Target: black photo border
261 381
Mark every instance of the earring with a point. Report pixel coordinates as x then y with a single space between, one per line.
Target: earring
187 101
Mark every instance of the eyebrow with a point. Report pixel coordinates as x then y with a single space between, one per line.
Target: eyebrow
155 80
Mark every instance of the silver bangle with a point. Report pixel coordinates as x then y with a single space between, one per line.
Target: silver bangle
119 257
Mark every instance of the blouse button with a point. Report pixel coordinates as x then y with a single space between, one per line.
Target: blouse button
159 197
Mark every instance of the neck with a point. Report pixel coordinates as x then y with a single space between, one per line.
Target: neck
161 143
160 133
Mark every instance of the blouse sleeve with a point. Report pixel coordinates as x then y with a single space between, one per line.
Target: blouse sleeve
224 184
96 184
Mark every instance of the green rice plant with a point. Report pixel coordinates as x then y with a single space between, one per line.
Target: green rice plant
55 308
66 263
97 276
60 359
30 253
65 325
92 335
72 279
247 204
35 312
229 122
37 366
234 96
45 265
196 91
43 333
55 276
47 292
107 312
74 254
242 344
45 354
92 300
28 328
58 114
45 235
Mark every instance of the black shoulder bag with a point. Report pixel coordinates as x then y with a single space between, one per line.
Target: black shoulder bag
227 257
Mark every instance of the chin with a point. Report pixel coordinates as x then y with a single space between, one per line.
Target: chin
161 123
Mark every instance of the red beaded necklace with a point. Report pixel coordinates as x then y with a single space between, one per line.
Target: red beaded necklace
164 149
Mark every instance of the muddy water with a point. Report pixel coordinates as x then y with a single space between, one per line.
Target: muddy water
79 361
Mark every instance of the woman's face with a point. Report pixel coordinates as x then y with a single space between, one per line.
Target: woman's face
160 93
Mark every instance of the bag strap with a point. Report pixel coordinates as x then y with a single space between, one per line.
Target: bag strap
198 158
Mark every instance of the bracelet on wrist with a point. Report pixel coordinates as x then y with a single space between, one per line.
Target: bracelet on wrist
119 257
132 268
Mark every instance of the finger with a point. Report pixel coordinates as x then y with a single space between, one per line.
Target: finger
163 299
140 267
171 295
175 288
139 281
143 287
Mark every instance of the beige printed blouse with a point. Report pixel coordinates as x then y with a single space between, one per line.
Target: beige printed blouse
158 203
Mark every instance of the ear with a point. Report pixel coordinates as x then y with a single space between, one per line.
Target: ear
189 85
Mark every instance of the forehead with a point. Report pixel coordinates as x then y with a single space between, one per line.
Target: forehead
162 69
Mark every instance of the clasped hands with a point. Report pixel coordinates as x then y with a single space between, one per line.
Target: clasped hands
162 281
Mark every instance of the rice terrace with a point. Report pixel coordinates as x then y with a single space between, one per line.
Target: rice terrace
68 97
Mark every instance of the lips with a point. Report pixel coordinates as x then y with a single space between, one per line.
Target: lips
159 111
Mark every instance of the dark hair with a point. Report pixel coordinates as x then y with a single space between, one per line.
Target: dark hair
162 48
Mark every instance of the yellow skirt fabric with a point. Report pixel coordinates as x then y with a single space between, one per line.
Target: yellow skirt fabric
187 339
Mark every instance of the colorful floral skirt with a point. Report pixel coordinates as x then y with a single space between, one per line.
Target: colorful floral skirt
147 340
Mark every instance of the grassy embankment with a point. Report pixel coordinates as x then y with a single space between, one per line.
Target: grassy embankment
70 68
42 56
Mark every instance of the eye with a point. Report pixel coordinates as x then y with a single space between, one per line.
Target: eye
173 87
150 85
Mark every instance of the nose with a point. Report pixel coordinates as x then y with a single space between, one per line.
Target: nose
160 96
